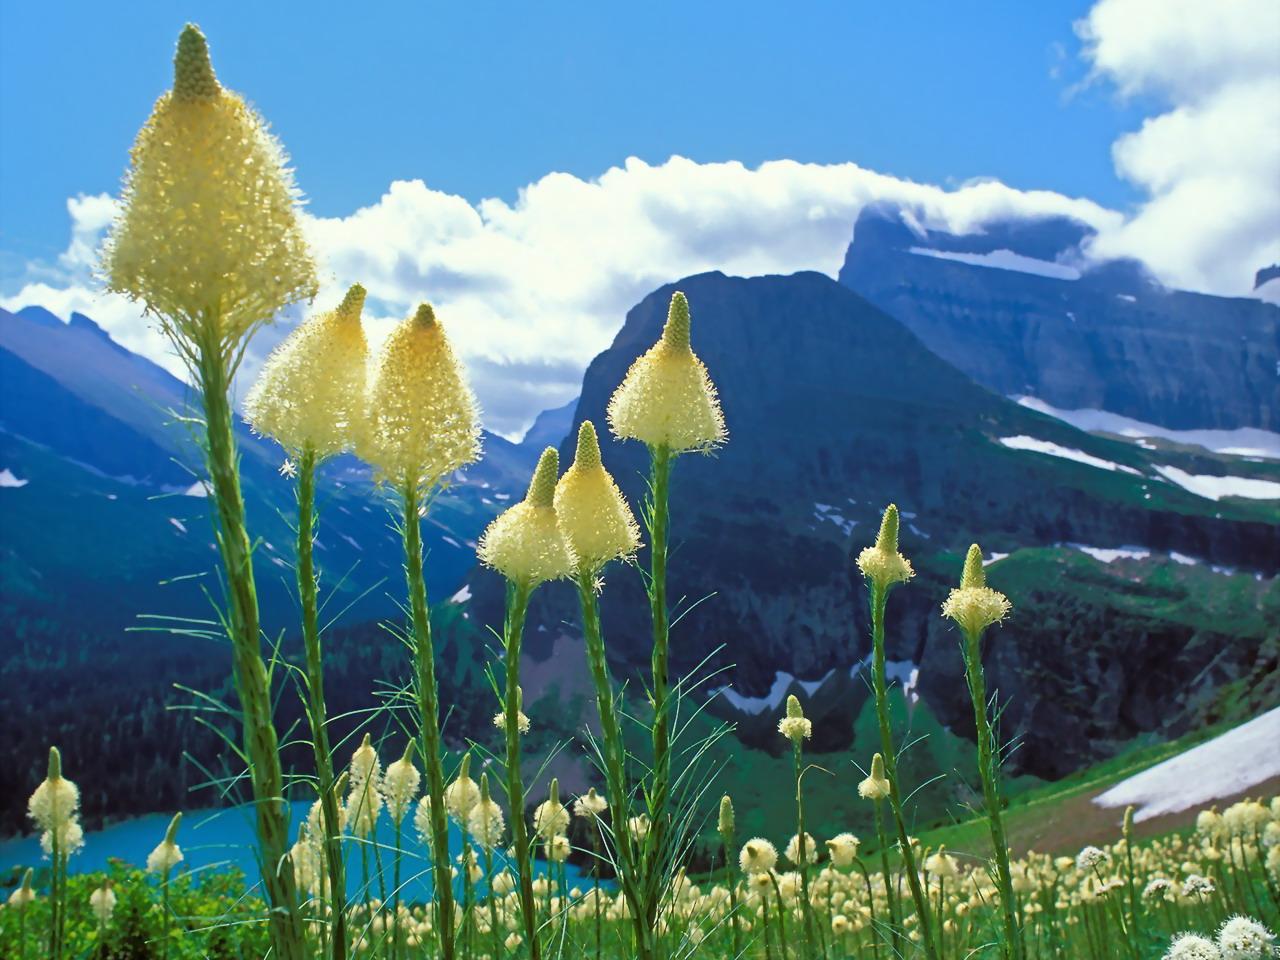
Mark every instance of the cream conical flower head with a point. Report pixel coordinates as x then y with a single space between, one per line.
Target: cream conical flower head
667 398
208 235
882 564
57 799
875 786
525 543
550 818
590 805
522 721
400 783
725 824
422 422
757 856
485 823
24 895
167 853
463 794
974 605
310 393
794 726
594 517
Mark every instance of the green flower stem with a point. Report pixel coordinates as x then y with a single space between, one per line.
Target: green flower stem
727 839
308 591
988 769
429 707
615 759
895 919
253 683
871 902
805 907
493 900
658 518
395 880
517 607
55 895
879 599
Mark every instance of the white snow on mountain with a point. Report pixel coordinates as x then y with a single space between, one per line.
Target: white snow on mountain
1243 442
1224 766
1004 260
1022 442
1215 488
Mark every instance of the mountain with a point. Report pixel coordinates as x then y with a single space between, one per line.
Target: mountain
550 427
835 409
1011 307
106 529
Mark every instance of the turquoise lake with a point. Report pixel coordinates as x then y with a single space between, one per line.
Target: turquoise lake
215 839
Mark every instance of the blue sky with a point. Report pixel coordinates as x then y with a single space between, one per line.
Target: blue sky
536 169
480 99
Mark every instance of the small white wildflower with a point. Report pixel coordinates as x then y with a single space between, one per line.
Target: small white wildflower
1242 938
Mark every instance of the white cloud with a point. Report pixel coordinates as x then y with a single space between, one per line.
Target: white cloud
1211 162
531 290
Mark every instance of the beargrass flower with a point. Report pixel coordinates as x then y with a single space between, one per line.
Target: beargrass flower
525 543
56 800
843 849
758 856
725 824
942 865
461 796
1243 938
208 236
882 564
24 896
810 849
551 817
594 517
422 421
1191 946
400 783
558 849
1091 857
667 398
167 853
794 726
974 605
102 903
310 393
876 785
364 796
485 823
590 805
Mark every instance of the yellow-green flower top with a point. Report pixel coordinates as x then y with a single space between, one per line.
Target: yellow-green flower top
422 422
725 824
667 398
974 605
310 393
208 236
882 564
794 726
594 517
525 543
876 785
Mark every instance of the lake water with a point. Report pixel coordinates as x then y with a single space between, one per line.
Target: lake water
215 839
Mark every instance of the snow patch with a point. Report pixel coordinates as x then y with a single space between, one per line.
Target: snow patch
463 595
1004 260
1112 554
352 540
1226 765
182 527
996 557
772 700
1067 453
1182 558
1243 442
8 480
825 511
1215 488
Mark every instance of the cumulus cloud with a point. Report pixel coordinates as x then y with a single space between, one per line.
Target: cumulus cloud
531 290
1210 163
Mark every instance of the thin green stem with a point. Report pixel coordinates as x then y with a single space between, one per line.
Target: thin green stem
428 694
308 594
879 598
988 770
517 607
253 683
615 758
658 518
805 907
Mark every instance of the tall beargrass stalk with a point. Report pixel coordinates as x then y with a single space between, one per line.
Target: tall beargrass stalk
204 156
974 607
884 567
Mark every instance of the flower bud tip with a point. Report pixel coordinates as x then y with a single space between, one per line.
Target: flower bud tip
193 76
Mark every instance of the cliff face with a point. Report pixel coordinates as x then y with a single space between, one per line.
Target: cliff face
834 410
1006 307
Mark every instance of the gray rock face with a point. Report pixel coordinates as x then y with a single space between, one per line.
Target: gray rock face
1111 339
835 409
